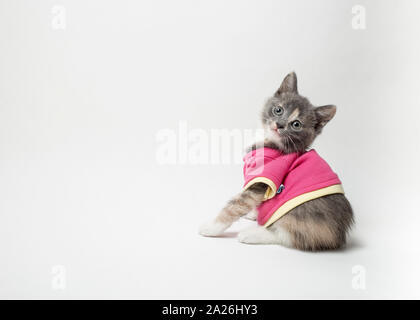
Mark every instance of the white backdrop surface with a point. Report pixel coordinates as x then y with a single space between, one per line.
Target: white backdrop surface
80 109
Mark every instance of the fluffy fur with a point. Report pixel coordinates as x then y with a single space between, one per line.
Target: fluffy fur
291 124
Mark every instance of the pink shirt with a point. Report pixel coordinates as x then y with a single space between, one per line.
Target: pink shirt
292 179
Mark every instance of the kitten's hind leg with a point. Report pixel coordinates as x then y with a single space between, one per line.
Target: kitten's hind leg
262 235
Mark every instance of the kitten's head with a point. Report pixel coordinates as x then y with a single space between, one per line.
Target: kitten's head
291 122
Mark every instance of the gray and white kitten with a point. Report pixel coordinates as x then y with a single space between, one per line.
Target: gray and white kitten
291 124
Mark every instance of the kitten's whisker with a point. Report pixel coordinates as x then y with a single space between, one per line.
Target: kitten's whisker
291 140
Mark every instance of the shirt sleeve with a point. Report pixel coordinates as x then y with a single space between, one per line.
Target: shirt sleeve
267 166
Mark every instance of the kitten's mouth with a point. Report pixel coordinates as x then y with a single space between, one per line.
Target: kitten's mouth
279 136
278 131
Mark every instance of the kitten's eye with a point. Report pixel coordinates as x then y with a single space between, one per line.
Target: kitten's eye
278 111
296 125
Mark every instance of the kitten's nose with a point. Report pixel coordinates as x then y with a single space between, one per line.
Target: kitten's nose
280 125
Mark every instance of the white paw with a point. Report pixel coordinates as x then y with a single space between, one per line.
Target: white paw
213 229
250 236
252 215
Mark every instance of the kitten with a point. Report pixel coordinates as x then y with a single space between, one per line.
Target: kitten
291 124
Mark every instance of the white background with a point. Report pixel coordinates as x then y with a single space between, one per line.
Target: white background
80 109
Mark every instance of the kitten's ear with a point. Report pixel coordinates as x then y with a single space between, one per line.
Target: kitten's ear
289 84
323 115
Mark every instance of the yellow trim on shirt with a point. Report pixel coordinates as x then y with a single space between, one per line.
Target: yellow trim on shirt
293 203
271 190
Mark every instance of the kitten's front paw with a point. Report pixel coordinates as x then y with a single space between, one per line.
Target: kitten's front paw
213 229
250 236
